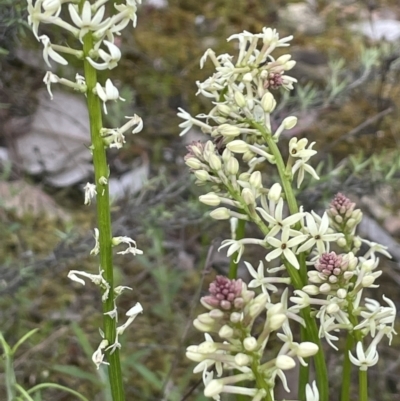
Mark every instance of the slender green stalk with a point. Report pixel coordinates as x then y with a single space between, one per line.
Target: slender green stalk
23 392
233 266
9 373
103 219
363 385
319 358
304 372
346 371
299 278
362 374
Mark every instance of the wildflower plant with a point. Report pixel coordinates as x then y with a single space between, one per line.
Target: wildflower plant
319 266
91 40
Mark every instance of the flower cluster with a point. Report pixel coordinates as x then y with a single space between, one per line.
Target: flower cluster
94 44
232 313
319 255
88 20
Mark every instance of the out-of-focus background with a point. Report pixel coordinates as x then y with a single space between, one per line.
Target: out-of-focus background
347 100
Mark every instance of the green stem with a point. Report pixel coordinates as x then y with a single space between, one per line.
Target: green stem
24 393
319 358
346 372
233 266
299 278
103 220
10 380
304 373
363 384
358 337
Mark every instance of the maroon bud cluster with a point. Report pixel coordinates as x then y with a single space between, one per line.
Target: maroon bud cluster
341 205
225 294
331 264
195 149
274 81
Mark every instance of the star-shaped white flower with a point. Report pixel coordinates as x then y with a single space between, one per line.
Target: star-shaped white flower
48 51
258 278
320 234
276 222
85 22
302 166
109 92
284 245
365 359
110 59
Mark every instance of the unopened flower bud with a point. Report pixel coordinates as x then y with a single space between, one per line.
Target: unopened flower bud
314 277
248 77
226 155
324 288
275 322
223 109
250 344
348 275
221 213
211 199
368 265
226 332
357 242
338 219
332 308
283 59
367 281
235 317
228 130
232 166
240 99
193 163
202 175
275 192
244 177
257 307
215 162
341 293
351 223
255 180
205 318
207 347
238 146
285 362
357 215
216 314
242 359
275 309
193 355
248 196
311 289
213 388
307 349
268 103
289 122
289 65
247 156
202 326
341 242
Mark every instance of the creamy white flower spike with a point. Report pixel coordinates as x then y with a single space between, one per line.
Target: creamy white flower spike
328 286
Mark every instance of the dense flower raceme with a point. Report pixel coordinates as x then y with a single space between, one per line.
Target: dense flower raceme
104 54
232 313
241 139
